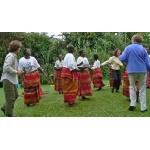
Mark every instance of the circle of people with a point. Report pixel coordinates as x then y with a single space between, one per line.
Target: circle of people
73 78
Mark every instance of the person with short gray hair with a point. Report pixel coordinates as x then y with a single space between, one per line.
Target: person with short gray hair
138 63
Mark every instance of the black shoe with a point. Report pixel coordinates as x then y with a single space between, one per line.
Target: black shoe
131 108
84 98
112 90
99 88
3 110
143 110
11 115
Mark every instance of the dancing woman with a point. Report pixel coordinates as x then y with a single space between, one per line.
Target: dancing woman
84 88
31 79
115 66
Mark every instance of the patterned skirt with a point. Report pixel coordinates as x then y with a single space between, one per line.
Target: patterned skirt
148 80
126 85
32 88
84 88
97 78
69 85
58 81
111 79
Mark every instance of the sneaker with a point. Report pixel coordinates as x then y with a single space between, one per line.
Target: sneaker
131 108
11 115
112 90
99 89
143 110
3 110
83 97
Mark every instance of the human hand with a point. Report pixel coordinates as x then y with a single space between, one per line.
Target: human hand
20 72
77 69
92 68
45 74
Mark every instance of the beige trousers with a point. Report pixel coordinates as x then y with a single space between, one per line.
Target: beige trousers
141 77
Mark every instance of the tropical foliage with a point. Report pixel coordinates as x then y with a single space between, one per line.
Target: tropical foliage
46 48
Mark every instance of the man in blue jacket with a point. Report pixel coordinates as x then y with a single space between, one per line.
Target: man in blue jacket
138 62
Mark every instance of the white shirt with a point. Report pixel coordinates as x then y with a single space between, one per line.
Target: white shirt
10 68
59 64
84 60
69 62
28 65
96 64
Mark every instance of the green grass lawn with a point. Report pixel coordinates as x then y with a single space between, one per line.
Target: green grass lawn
102 104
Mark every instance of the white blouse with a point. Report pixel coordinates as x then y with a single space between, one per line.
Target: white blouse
69 62
84 60
59 64
28 65
96 64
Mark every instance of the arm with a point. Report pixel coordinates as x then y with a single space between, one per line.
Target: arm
42 70
96 65
84 62
8 66
79 61
107 62
147 61
57 66
123 57
9 60
71 63
36 64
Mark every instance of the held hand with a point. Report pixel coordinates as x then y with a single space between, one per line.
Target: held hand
20 72
76 69
89 67
92 68
45 74
58 68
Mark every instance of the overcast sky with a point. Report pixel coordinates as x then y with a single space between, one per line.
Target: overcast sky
55 34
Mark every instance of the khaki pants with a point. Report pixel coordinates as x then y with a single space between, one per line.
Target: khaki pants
141 77
11 94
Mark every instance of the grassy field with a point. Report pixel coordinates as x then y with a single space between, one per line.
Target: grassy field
102 104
